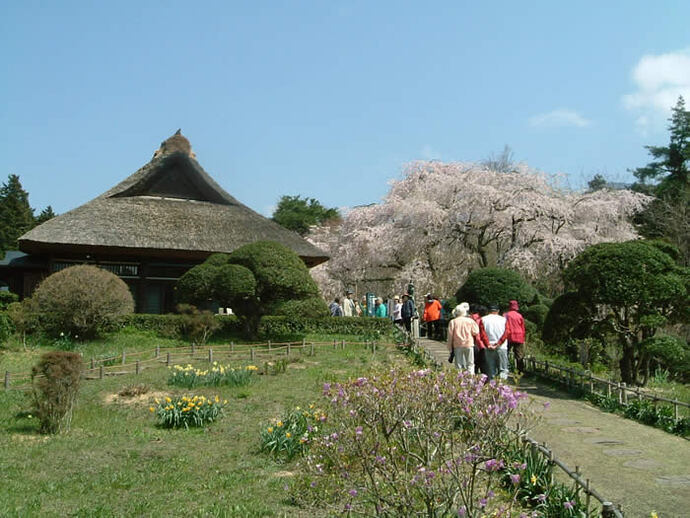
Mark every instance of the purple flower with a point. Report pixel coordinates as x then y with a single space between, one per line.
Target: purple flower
541 498
352 492
462 511
313 484
326 387
348 507
515 479
358 431
547 404
494 465
482 503
569 505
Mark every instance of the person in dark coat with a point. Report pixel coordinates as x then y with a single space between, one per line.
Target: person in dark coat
407 312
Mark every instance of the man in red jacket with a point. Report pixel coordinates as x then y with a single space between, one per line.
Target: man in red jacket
516 340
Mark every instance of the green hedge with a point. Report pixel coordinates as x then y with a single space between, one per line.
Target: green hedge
274 326
271 327
172 326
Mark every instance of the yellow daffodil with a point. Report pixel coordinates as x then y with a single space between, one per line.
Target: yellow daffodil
288 435
311 406
533 479
156 401
167 399
225 402
151 409
279 424
653 515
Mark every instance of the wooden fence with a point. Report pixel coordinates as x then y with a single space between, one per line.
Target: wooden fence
136 362
587 382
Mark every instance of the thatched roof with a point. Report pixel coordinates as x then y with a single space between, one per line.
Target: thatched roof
169 208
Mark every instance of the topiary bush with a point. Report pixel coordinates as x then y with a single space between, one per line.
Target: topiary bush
495 285
261 278
7 298
55 380
81 301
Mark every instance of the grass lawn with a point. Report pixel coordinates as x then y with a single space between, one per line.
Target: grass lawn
116 462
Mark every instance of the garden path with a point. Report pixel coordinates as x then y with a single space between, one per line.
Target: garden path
635 465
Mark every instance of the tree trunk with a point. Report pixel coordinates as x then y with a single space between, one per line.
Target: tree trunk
627 365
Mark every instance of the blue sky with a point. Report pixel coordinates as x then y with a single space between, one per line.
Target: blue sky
330 99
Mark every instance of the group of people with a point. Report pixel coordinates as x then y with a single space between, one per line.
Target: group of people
402 308
480 339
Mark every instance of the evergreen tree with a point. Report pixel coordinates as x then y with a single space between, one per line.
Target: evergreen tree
298 214
671 164
45 215
16 216
668 216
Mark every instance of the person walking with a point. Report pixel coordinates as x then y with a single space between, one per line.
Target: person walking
481 341
380 309
397 311
335 308
432 316
407 312
496 355
461 333
349 309
516 340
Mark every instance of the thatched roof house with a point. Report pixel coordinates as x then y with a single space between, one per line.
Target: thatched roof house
157 223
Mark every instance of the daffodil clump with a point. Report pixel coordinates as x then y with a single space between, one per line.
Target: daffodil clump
189 376
187 411
292 434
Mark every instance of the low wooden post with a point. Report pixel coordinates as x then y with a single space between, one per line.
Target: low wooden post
588 497
607 510
335 343
7 380
138 368
101 374
624 393
620 393
251 353
342 344
288 349
158 351
546 368
167 359
124 357
210 355
93 363
304 343
675 409
193 350
311 351
269 345
232 347
608 389
591 383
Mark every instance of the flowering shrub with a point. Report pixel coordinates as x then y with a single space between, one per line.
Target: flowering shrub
292 434
406 444
187 411
190 377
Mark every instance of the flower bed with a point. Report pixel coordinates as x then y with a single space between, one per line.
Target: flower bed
290 435
189 376
187 411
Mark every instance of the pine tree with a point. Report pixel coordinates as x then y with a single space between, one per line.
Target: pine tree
45 215
16 216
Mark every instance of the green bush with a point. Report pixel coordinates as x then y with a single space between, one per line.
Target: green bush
173 326
669 352
7 298
306 308
276 327
55 381
495 285
6 326
536 314
197 325
566 319
82 301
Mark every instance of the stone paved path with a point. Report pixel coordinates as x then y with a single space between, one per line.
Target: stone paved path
641 467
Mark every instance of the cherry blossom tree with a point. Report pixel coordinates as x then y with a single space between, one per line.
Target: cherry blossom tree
441 220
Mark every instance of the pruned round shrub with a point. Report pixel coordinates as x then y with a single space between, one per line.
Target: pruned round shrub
565 319
81 301
55 381
497 286
196 285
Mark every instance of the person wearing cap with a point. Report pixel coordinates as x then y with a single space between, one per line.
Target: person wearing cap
407 312
516 340
496 355
432 316
461 333
397 311
335 308
349 309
